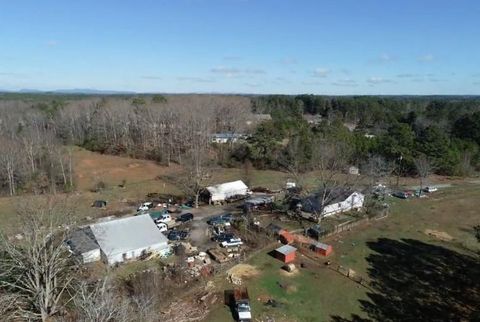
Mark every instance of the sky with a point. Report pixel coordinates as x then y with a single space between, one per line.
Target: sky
331 47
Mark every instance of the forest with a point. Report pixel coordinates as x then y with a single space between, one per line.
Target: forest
401 135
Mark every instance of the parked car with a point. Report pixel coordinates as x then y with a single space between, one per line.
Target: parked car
223 237
162 226
220 220
430 189
165 218
185 217
232 242
177 235
145 206
400 194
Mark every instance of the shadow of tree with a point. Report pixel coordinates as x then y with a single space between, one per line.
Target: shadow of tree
416 281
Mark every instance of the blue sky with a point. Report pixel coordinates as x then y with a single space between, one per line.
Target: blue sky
243 46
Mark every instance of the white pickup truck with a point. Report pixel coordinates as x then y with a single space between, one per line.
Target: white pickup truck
165 218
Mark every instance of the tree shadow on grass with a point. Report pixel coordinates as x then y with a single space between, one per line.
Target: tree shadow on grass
416 281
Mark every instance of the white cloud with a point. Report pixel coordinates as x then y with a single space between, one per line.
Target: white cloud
408 75
51 43
254 71
235 72
194 79
385 58
252 84
288 61
311 83
152 77
321 72
232 58
225 71
378 80
346 82
426 58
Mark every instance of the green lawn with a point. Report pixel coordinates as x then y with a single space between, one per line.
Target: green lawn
317 293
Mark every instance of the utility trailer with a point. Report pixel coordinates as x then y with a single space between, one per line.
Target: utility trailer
242 304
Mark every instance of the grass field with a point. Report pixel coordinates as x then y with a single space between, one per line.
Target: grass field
320 294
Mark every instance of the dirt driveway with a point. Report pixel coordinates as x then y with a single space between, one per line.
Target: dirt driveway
199 229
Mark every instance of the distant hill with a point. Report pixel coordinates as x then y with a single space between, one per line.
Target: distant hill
85 91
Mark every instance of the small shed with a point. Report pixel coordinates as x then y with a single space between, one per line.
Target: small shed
321 248
286 237
286 253
354 170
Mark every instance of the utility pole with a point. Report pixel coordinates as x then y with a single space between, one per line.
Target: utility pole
399 168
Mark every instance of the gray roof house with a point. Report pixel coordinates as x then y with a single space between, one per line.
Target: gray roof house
82 243
335 201
129 238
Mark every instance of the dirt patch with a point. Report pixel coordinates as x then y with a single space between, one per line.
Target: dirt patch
438 234
243 271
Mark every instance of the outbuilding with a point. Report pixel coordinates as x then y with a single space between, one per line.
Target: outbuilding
286 253
224 191
286 237
129 238
321 248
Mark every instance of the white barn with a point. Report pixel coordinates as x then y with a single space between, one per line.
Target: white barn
129 238
222 192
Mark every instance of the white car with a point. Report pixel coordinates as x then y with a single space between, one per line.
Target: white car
145 206
430 189
162 226
232 242
165 218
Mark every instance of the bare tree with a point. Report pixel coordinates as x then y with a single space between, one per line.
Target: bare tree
329 161
377 168
100 302
9 162
424 169
294 160
36 271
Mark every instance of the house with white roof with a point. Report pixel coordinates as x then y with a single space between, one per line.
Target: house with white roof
129 238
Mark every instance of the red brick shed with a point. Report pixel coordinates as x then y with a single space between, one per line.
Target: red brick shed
322 249
286 253
286 237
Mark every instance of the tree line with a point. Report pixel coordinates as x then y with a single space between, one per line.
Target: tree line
443 131
37 133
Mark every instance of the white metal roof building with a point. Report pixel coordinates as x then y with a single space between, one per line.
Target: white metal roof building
223 191
129 238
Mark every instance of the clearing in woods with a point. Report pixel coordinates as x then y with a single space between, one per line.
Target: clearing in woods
425 274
